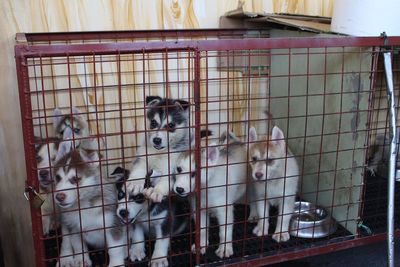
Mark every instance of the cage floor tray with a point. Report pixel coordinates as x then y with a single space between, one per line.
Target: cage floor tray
246 245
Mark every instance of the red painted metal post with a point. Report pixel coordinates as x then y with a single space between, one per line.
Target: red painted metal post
29 148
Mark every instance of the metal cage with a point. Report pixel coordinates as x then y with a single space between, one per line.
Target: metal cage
327 94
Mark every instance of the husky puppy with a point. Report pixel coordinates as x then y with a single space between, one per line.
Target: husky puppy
88 206
70 126
379 154
167 134
221 187
275 173
146 216
45 156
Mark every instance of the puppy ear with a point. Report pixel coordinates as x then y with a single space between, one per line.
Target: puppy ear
182 104
277 136
120 174
152 100
252 135
63 149
91 157
77 114
57 117
212 153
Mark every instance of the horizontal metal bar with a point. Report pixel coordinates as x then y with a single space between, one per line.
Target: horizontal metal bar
205 45
308 252
101 35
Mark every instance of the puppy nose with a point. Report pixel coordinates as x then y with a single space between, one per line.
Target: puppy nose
179 190
123 213
259 175
157 140
44 174
61 197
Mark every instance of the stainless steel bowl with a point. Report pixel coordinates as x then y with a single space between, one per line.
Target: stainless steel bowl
311 221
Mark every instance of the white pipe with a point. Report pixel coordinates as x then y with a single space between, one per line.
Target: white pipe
392 159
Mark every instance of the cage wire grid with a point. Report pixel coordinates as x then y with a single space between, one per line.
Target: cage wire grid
326 94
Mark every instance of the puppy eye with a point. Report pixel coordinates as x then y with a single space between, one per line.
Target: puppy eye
77 130
139 198
254 159
58 178
179 169
153 124
75 180
39 159
171 125
270 161
121 194
193 174
62 132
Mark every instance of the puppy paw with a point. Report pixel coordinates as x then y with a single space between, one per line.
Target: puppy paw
261 229
224 250
253 217
154 194
135 187
159 262
281 237
80 262
136 253
66 262
202 249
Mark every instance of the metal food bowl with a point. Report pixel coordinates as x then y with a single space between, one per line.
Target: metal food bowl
311 221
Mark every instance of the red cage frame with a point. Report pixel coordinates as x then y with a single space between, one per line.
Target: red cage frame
24 51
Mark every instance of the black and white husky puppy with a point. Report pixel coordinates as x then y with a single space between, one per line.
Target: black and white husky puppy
146 217
88 206
167 134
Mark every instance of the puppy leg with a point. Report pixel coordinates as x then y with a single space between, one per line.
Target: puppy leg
204 223
253 217
286 207
116 240
262 226
81 251
160 253
66 252
225 220
137 249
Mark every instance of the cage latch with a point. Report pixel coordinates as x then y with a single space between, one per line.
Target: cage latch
37 200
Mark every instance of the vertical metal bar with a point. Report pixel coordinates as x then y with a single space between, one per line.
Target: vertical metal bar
392 160
197 121
30 155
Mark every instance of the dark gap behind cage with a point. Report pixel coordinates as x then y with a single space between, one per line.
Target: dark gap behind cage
375 203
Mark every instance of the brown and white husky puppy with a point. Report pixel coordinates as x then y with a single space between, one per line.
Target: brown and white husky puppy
222 184
88 209
45 156
276 174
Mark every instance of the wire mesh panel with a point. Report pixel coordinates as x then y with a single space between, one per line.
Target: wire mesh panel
201 148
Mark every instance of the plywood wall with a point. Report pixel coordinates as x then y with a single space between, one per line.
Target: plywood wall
89 15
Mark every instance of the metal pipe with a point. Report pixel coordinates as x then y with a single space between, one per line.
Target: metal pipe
392 159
